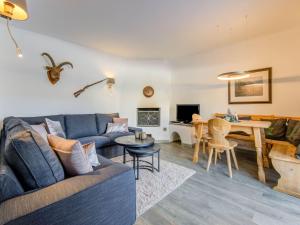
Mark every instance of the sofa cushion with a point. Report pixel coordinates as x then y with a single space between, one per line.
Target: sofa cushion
104 162
293 132
102 121
66 202
31 158
78 126
41 129
277 130
112 136
100 141
9 184
41 119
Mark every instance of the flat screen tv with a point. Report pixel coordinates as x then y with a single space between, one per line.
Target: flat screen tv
185 112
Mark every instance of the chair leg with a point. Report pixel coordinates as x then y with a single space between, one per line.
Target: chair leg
211 151
216 156
203 146
219 155
229 162
234 159
196 151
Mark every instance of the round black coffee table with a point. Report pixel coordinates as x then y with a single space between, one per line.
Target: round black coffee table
139 149
138 153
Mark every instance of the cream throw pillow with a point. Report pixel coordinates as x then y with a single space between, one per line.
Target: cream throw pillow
71 154
90 151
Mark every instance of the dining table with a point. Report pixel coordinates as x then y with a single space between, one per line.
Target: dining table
251 127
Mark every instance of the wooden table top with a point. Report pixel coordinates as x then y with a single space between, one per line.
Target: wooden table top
244 123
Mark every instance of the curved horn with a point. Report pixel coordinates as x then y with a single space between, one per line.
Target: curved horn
51 59
65 63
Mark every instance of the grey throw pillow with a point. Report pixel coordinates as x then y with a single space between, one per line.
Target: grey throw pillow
116 127
55 128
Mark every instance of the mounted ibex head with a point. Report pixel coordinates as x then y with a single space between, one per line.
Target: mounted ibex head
54 71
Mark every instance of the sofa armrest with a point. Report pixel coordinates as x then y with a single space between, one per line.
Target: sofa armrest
105 196
134 129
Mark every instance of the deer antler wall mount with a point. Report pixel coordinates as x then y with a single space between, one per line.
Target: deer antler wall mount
54 70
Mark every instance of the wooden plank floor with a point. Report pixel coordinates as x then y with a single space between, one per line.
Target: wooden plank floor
214 198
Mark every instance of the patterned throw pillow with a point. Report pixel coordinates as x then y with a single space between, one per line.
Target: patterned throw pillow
71 154
116 127
277 130
90 151
121 120
293 132
298 152
55 128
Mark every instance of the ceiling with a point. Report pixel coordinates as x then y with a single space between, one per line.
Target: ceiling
159 29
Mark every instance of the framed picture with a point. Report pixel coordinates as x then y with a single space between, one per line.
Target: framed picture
255 89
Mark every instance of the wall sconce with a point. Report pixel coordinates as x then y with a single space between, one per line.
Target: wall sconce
14 10
109 81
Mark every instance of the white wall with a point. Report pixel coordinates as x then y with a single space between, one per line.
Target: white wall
194 78
26 91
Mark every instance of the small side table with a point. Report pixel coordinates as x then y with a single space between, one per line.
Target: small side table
138 153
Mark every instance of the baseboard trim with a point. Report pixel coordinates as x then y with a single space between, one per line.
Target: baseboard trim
162 141
169 142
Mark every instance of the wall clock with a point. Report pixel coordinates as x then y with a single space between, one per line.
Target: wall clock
148 91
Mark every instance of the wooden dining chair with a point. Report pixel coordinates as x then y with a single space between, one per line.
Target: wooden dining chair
219 129
199 135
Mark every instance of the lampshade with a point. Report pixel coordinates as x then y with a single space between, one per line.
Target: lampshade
14 9
236 75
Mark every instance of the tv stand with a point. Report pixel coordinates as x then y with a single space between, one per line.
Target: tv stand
183 132
180 123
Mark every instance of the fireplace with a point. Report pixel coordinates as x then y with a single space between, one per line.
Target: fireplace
148 117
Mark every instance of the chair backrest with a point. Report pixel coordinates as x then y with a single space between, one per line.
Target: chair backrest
219 129
196 118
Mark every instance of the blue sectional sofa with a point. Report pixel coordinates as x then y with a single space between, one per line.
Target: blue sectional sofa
35 190
88 128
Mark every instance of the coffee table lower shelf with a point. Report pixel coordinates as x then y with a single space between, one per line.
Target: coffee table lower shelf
138 153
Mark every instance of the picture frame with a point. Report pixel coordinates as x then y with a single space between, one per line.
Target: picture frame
255 89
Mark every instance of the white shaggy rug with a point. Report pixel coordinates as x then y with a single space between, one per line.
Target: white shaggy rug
153 187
